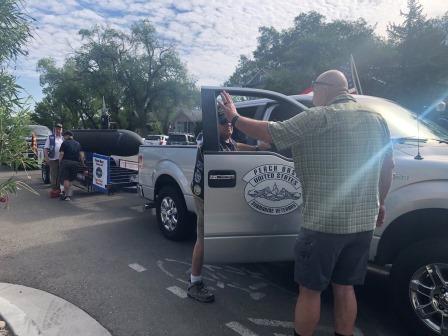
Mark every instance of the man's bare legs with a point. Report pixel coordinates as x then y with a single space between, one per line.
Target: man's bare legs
196 288
307 313
345 309
67 188
198 257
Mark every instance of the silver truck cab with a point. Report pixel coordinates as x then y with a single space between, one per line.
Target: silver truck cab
253 199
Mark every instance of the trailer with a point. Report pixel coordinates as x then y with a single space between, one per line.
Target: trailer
102 173
110 160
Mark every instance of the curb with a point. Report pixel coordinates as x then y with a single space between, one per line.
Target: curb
17 320
32 312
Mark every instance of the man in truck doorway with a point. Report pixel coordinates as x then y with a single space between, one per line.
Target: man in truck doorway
196 288
343 156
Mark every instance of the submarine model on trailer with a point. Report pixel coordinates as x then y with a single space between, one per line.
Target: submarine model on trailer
108 142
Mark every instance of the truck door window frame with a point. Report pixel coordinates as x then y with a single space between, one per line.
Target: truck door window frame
209 109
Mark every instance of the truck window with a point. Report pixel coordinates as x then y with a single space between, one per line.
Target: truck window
177 138
283 112
249 112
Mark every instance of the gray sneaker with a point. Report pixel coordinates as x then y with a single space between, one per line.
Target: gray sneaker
198 291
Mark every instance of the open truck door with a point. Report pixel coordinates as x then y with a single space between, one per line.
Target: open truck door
252 199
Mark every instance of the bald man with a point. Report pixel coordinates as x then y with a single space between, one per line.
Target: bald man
342 154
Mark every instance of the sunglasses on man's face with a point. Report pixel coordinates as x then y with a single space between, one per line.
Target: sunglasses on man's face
314 83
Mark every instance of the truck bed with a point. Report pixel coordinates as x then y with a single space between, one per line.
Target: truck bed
175 162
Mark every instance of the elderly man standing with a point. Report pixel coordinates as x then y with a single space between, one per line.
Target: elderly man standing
51 155
343 156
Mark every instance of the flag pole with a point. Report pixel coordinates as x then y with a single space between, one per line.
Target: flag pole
355 74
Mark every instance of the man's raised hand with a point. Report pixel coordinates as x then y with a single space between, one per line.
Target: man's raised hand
227 105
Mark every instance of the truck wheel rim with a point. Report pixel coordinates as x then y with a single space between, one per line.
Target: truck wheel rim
168 213
428 291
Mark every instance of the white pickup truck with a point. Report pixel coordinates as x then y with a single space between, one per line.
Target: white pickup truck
252 200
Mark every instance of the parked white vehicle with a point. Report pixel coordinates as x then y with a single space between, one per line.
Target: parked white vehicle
244 223
177 138
156 139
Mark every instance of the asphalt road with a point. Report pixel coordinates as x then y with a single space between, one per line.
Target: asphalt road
105 254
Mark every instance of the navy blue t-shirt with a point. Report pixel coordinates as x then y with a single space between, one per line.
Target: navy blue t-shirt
71 149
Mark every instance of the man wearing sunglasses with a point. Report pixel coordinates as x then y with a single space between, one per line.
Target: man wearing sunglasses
196 288
343 156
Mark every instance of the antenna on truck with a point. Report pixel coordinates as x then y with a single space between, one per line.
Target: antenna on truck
418 156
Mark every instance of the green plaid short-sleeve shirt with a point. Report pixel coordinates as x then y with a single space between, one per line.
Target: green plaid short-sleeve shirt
338 152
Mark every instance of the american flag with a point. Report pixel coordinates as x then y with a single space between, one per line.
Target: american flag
349 70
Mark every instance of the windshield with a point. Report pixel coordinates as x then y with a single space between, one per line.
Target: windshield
39 130
402 122
177 137
154 137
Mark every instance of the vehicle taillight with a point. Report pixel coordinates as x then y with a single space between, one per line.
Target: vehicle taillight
140 161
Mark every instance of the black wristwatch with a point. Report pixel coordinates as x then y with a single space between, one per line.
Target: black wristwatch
234 120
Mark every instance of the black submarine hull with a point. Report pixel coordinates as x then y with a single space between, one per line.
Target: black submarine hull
109 141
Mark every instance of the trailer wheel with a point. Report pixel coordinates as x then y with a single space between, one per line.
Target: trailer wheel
172 214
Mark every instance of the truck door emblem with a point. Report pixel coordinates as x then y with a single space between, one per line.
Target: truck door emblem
273 189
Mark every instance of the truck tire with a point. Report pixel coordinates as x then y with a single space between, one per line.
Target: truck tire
172 214
420 279
45 172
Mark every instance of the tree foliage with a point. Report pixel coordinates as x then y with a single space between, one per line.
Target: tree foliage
14 32
409 65
140 77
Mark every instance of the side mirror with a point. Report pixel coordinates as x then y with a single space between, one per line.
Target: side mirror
441 107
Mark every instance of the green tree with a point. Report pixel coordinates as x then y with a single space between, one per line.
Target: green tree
14 33
288 60
421 65
410 65
140 77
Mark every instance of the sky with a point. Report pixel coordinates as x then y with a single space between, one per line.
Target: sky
209 35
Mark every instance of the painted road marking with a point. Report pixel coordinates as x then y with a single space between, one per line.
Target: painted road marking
162 268
178 292
290 325
136 267
240 329
254 295
234 270
218 278
258 286
271 323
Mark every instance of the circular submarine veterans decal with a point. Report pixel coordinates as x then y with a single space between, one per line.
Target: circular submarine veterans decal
273 189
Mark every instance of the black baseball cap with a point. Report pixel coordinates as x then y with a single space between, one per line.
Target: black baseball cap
67 133
58 125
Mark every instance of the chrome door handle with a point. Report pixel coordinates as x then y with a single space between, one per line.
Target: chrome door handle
221 178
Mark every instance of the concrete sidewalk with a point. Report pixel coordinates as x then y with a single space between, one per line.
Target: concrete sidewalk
32 312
